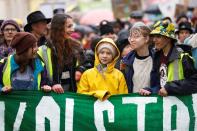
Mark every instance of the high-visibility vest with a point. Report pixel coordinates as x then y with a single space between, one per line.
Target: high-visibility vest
7 70
175 69
45 53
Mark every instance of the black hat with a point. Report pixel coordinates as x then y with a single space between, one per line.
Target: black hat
35 17
106 27
185 26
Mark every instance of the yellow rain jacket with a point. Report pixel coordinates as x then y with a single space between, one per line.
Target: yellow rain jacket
111 82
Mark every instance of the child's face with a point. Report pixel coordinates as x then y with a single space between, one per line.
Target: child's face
105 56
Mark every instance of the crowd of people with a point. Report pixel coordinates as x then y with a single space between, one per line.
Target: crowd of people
113 58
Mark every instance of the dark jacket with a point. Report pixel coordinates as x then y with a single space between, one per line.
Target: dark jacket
5 50
128 70
182 87
185 48
42 41
88 62
77 61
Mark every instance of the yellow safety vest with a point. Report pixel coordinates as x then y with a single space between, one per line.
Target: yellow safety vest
175 69
45 53
7 73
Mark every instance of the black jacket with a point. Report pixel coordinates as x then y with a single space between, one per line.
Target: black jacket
77 60
180 87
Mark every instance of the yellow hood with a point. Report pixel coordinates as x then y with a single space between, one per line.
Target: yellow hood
110 66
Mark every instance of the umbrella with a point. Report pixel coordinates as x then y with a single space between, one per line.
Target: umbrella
94 17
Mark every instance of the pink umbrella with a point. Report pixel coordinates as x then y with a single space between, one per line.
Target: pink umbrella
94 17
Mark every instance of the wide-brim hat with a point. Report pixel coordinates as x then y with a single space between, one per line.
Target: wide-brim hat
35 17
185 26
165 29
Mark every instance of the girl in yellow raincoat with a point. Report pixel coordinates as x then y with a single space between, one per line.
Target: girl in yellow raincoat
103 80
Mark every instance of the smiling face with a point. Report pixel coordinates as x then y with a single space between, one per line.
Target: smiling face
160 41
139 37
69 29
137 40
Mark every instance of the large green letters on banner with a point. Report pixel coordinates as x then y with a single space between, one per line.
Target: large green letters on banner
37 111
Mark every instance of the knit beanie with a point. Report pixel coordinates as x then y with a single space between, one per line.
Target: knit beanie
106 27
23 41
10 22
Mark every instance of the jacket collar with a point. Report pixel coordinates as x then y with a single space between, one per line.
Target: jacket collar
173 54
129 58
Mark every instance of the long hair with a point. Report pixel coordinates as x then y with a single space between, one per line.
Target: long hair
62 48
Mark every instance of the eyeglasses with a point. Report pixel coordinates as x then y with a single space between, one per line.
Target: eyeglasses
135 37
9 30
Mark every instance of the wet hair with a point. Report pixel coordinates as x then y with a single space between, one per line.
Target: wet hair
140 28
